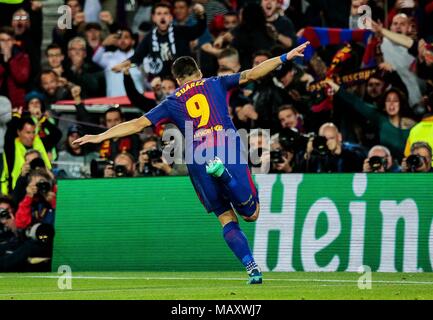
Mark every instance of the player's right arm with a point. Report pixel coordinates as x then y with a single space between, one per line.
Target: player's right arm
121 130
270 65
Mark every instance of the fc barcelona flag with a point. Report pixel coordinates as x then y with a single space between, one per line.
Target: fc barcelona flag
331 36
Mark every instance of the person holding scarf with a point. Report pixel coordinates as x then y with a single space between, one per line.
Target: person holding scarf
165 42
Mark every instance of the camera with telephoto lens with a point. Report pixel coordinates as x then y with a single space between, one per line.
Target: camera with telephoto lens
43 187
277 156
120 171
37 163
154 155
4 214
97 167
414 162
292 141
320 146
376 163
42 232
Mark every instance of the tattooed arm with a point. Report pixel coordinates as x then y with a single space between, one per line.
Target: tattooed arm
270 65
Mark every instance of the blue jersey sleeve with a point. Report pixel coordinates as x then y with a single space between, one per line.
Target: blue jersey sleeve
159 114
230 81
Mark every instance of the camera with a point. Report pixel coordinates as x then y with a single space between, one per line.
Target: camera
37 163
97 167
376 163
320 146
41 232
277 156
4 214
292 140
414 162
154 155
43 187
120 171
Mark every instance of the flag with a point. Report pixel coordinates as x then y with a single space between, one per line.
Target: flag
319 37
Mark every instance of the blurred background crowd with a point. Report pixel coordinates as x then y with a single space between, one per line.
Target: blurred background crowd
360 101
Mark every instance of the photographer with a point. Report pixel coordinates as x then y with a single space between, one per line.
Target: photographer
35 221
328 153
259 151
380 160
281 160
20 136
74 161
420 159
122 166
33 160
8 230
150 161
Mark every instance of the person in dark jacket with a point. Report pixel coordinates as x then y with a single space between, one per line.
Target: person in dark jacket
14 68
46 126
165 42
28 33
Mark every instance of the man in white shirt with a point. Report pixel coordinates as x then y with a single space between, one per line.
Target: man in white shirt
124 41
400 58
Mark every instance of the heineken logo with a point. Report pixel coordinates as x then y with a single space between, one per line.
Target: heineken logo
342 222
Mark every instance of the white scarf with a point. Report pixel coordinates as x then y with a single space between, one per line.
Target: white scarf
155 43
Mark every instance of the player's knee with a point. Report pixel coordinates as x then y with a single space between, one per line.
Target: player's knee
253 217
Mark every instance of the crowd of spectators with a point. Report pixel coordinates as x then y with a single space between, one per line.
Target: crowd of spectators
360 101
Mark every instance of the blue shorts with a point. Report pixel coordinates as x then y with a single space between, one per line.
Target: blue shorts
211 192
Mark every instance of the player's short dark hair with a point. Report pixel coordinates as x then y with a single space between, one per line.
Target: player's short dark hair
113 109
53 46
162 4
184 67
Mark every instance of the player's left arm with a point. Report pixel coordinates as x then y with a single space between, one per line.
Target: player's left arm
271 64
121 130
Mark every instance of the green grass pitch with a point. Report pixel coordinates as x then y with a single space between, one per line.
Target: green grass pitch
212 285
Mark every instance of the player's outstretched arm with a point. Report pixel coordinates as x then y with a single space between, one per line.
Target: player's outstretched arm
271 64
121 130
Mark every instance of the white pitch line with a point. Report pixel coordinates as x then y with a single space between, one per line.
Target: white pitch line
217 279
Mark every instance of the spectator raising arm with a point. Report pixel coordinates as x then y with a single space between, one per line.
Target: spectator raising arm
395 37
137 99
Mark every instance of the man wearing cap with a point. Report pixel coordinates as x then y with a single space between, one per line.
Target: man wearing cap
74 161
